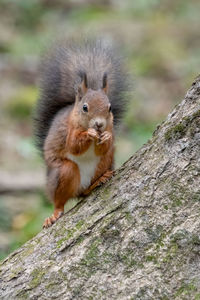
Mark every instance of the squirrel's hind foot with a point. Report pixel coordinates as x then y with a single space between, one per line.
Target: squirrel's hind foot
103 179
51 220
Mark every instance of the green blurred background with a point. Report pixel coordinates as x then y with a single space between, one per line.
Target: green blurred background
161 42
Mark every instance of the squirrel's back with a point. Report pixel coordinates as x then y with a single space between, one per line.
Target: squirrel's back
61 74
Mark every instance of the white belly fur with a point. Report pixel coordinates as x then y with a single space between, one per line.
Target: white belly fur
87 163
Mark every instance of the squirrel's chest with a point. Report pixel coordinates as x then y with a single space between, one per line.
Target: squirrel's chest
87 164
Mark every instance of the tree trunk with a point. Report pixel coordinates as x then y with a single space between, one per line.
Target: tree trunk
136 237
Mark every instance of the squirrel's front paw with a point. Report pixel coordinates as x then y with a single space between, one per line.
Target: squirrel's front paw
105 136
93 134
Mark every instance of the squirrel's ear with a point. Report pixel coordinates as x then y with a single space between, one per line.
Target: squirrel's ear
83 87
105 83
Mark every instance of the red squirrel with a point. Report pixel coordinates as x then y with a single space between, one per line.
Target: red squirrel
81 98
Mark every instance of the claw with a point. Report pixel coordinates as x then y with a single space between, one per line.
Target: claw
93 133
51 220
105 136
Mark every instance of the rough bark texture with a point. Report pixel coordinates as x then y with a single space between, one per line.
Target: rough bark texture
137 237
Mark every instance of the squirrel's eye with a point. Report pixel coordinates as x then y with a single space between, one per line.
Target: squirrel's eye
85 107
110 108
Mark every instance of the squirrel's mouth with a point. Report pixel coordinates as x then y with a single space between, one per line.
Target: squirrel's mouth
99 130
99 124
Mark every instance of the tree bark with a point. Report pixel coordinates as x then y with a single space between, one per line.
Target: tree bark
136 237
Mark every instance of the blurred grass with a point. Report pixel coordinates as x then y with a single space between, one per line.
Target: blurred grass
25 224
161 41
20 106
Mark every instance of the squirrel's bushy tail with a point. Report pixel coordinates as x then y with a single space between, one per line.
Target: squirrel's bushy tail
60 74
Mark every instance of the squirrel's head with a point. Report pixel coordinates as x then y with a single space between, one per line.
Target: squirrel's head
92 107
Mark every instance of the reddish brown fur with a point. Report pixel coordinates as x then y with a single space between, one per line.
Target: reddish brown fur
67 184
78 141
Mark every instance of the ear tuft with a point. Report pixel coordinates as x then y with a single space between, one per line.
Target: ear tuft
83 86
105 83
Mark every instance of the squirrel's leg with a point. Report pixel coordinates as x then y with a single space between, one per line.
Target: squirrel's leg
104 144
105 177
67 186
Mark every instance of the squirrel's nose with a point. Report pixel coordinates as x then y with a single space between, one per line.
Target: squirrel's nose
98 124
